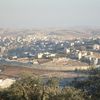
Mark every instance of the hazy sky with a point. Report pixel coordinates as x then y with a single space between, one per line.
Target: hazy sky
49 13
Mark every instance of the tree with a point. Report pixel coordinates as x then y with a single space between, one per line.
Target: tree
28 87
69 93
25 88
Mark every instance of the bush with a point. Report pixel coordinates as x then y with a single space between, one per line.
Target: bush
32 88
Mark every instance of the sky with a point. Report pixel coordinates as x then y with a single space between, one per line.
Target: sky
49 13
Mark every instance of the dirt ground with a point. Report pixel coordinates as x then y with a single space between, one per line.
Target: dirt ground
15 71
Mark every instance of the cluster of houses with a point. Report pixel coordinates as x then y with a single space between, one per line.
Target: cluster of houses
22 48
90 57
46 55
96 47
